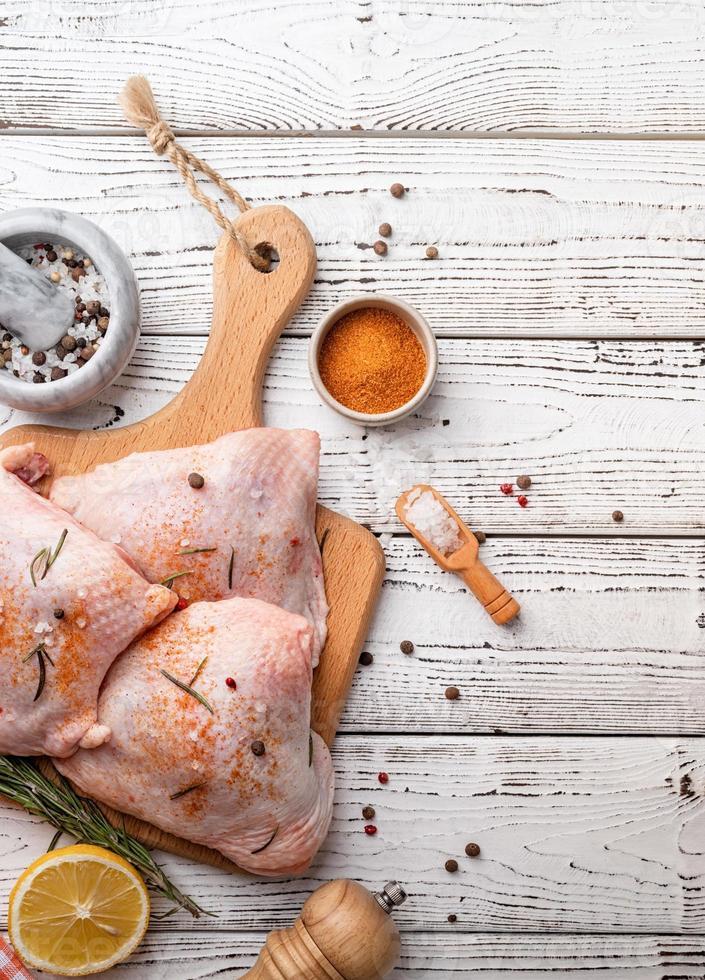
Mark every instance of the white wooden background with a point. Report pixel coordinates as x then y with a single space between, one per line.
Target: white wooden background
553 153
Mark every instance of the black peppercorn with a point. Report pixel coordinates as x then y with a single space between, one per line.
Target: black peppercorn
58 614
380 247
368 812
39 358
366 658
196 481
406 646
472 850
451 865
397 190
452 693
617 516
257 747
385 229
481 536
452 917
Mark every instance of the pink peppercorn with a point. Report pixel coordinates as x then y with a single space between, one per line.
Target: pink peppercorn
507 489
370 830
231 682
181 604
522 500
383 778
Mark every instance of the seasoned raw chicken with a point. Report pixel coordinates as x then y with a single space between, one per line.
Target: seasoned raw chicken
69 604
248 530
232 764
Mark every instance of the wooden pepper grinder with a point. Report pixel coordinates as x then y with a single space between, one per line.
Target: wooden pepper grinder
344 932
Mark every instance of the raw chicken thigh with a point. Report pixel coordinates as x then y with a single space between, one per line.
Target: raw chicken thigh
231 763
69 604
237 515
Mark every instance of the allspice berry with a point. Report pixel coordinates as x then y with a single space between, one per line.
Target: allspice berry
452 917
380 247
68 342
196 481
481 536
452 693
39 358
472 850
385 229
617 516
397 190
451 865
368 812
523 482
431 252
406 646
58 373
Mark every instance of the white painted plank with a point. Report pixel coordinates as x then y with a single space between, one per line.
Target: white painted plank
577 835
536 238
194 955
550 65
598 425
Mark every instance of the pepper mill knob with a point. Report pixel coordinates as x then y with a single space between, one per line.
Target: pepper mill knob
344 932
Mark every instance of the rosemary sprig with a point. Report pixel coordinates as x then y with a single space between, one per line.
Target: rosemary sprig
196 551
169 580
48 556
23 783
265 846
40 651
310 749
230 569
184 792
187 688
198 672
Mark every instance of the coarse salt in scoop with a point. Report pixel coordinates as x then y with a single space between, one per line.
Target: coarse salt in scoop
453 546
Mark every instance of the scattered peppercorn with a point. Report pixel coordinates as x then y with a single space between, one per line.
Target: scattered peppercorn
51 255
431 252
452 917
380 247
38 378
451 865
39 358
181 604
368 812
522 500
370 830
481 536
366 658
472 850
385 229
617 516
523 482
86 353
58 614
232 683
383 778
406 646
58 373
507 489
196 481
257 747
452 693
68 342
397 190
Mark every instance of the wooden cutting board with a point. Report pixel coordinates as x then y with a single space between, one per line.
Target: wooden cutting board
250 309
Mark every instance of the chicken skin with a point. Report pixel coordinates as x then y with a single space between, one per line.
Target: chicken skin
69 604
209 714
235 517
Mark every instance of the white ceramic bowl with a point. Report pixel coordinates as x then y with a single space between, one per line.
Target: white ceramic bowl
28 225
414 320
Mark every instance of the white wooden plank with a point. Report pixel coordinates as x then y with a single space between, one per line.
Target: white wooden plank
401 65
598 425
194 955
536 238
577 835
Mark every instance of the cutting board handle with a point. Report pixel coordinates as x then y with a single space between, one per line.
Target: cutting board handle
250 309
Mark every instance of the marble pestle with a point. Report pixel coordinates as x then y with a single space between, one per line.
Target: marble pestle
31 307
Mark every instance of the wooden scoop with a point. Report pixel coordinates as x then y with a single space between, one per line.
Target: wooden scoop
500 605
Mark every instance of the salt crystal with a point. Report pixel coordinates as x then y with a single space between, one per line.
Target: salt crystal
432 520
81 593
81 623
184 542
43 627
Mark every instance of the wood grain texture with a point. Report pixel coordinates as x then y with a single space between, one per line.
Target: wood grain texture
399 65
598 425
535 238
577 835
188 955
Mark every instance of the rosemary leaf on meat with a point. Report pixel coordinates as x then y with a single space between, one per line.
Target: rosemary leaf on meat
23 783
187 688
169 580
40 651
265 846
230 569
48 557
198 672
184 792
310 749
322 542
196 551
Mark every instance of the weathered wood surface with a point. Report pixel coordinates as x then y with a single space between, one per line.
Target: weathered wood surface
401 65
598 425
577 835
536 238
428 956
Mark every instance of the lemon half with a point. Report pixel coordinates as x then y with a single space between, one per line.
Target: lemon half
77 910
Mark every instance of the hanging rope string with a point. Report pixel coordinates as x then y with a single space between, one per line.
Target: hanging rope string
137 100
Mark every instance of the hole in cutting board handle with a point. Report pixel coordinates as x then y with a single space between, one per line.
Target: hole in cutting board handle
268 251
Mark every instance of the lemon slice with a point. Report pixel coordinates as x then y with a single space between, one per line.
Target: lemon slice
77 910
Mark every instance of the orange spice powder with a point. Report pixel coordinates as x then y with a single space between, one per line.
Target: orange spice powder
372 361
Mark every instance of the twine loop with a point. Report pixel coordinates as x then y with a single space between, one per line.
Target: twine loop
140 108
